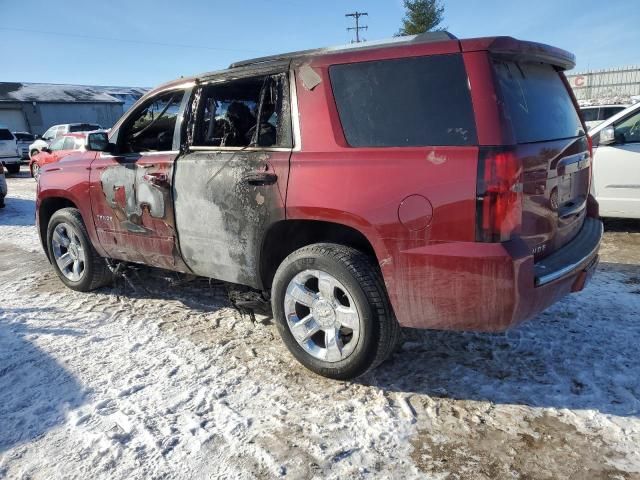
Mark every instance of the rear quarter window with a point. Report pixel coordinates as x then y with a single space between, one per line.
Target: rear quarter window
536 102
419 101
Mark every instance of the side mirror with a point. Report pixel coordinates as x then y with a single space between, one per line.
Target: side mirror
607 136
98 142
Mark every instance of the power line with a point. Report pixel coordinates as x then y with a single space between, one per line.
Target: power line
142 42
357 28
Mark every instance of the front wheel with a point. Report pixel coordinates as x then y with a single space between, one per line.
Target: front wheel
35 171
73 257
332 310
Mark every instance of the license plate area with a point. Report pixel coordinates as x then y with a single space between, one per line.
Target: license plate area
565 190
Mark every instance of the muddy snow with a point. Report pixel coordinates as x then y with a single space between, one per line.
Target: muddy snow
165 378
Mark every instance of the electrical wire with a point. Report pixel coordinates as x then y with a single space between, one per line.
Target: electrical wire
142 42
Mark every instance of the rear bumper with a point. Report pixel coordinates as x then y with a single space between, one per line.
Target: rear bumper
487 286
10 159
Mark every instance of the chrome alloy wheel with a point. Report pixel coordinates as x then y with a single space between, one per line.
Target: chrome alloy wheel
35 171
322 315
68 252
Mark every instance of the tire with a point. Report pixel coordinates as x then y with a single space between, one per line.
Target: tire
35 171
13 168
95 272
378 332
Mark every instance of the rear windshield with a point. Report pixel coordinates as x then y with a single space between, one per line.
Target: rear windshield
85 127
418 101
24 136
536 102
5 134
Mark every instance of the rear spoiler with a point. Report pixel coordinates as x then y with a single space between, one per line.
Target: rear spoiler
521 50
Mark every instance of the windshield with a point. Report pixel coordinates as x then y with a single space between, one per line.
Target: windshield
5 134
24 136
536 102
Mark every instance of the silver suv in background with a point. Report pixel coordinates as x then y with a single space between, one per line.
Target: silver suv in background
56 131
9 154
24 139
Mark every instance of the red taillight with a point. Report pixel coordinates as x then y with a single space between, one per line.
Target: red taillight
499 195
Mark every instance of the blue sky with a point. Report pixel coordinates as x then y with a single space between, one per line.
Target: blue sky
75 41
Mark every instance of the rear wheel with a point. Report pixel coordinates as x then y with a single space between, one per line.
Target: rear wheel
332 310
13 168
73 257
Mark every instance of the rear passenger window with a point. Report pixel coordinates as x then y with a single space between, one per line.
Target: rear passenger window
590 114
419 101
69 143
608 112
246 112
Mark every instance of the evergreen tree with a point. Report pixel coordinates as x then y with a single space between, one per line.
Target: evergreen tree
421 16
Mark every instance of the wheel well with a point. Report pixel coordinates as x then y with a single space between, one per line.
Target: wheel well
48 207
287 236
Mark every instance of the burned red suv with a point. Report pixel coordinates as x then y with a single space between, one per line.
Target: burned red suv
427 182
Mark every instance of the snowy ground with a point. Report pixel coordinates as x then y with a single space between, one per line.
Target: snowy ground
173 382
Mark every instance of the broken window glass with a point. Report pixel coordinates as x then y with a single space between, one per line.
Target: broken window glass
230 114
152 128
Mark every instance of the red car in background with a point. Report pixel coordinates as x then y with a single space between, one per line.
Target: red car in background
59 148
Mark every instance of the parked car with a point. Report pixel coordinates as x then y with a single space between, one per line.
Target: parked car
363 188
59 148
57 131
3 186
596 114
23 140
9 154
616 164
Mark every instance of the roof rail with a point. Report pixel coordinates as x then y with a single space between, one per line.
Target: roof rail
439 36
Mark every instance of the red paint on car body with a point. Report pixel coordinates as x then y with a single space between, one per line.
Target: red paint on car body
437 275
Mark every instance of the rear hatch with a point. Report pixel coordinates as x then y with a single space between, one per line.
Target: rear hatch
552 148
7 143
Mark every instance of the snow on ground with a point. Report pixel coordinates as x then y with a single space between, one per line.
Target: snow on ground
170 381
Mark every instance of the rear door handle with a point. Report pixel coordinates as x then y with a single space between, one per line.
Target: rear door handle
260 179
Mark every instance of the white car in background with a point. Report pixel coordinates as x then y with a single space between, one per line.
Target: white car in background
9 153
594 115
56 131
616 164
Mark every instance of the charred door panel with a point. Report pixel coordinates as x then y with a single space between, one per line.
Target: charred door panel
224 203
133 208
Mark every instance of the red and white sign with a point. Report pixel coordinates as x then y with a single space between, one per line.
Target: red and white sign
578 81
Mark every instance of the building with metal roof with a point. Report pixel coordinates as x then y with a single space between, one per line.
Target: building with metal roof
34 107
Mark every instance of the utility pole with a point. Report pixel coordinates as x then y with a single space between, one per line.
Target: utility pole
357 28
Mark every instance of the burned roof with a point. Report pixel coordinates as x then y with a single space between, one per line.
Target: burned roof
53 93
426 37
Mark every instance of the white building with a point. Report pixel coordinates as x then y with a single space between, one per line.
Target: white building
617 85
34 107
